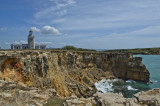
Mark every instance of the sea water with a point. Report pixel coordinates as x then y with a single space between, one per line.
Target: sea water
129 88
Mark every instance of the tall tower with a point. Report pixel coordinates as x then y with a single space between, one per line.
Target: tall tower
31 42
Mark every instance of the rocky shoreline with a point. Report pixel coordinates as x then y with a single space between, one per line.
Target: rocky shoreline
67 73
18 94
147 98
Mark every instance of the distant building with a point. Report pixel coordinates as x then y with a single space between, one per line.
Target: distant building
31 44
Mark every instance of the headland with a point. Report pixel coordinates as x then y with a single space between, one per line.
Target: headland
67 73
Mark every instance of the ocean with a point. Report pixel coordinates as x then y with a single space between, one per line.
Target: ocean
129 88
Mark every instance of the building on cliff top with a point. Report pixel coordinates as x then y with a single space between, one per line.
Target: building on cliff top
31 44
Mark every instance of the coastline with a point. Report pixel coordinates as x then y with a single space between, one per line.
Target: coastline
69 72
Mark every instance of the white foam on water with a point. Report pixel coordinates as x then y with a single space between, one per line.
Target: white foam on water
154 81
105 85
131 81
131 88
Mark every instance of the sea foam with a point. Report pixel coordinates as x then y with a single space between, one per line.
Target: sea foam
105 85
131 88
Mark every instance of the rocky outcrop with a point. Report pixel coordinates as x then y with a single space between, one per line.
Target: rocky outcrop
69 72
17 94
147 98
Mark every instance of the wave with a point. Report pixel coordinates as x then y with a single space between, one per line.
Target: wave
153 81
131 88
106 85
130 81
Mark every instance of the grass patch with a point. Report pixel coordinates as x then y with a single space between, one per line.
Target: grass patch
55 102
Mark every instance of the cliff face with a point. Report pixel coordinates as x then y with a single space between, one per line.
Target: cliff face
69 72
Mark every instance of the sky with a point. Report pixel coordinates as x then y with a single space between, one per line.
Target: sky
91 24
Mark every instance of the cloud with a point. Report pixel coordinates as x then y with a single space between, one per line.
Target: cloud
112 24
65 3
62 12
152 31
49 30
7 43
23 42
47 43
56 8
112 15
16 42
3 29
35 29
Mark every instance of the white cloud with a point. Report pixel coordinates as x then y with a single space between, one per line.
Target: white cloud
111 22
112 15
23 42
62 12
65 3
35 29
3 29
57 8
45 12
49 30
47 43
152 31
59 20
7 43
16 42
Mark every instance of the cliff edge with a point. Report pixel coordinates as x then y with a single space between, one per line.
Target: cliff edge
69 72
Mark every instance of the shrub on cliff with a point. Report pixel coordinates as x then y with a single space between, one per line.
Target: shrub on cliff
69 48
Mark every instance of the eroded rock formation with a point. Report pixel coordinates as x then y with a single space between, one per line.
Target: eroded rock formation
18 94
68 72
147 98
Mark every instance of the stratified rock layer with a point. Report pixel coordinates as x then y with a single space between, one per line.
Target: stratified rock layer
69 72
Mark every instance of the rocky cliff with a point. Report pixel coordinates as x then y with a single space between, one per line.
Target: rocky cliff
69 72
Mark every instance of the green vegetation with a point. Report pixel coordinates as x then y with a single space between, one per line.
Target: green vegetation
68 47
55 102
136 51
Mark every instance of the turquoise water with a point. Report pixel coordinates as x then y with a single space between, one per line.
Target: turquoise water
130 87
152 62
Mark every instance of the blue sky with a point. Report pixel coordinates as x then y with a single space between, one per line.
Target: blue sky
93 24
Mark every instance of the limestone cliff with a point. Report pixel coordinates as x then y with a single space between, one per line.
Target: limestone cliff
69 72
